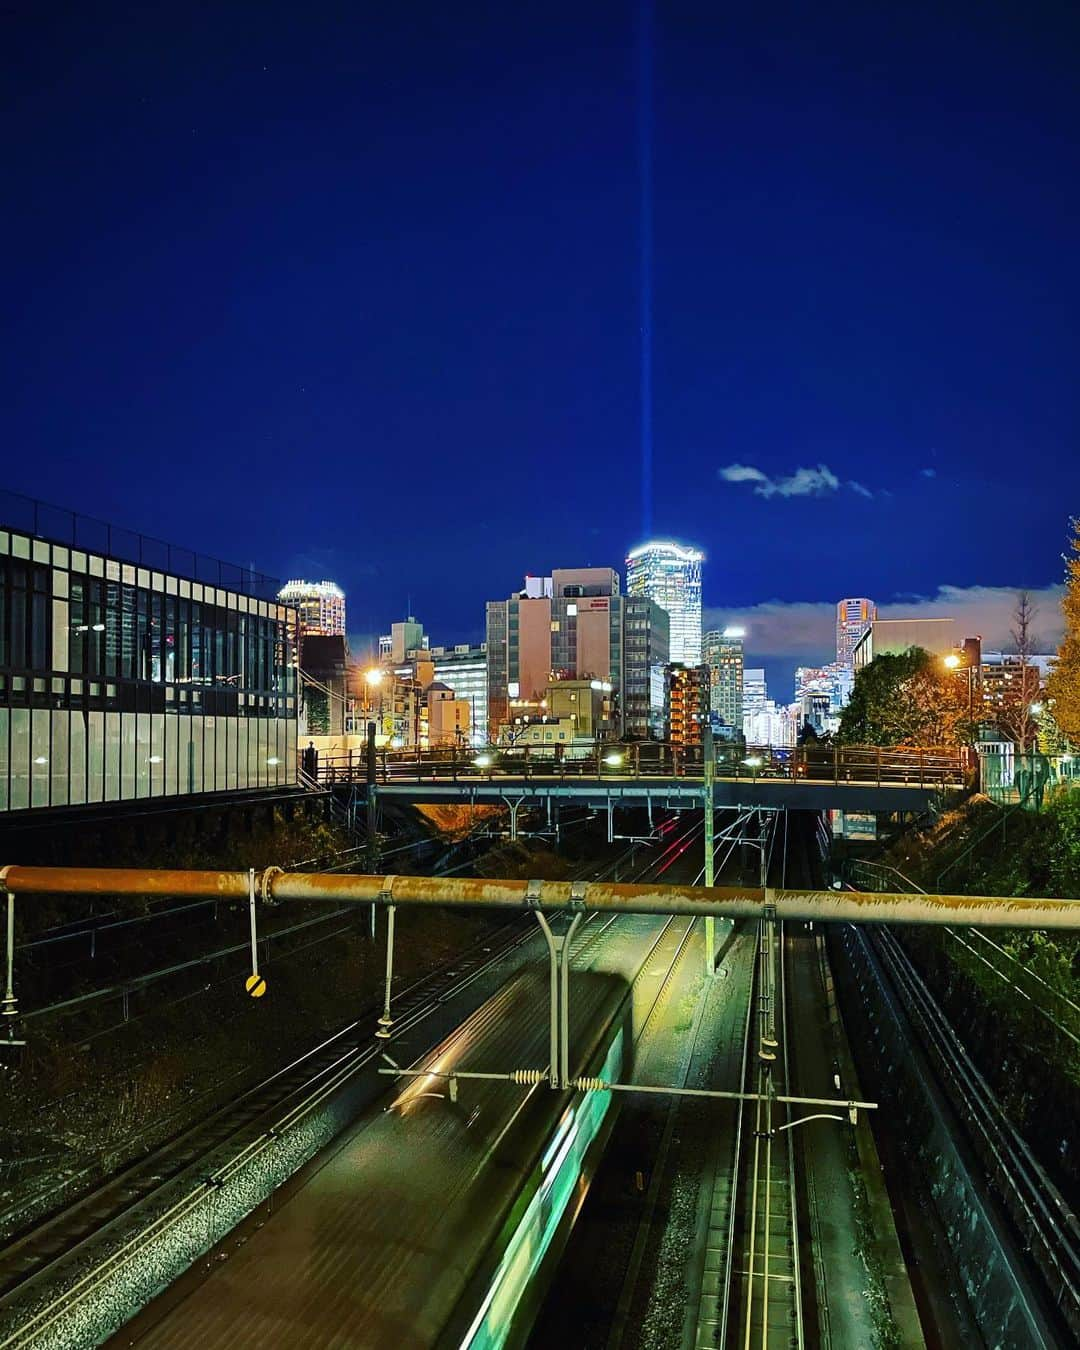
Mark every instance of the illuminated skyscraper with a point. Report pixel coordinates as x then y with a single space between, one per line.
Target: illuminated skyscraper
320 605
853 618
724 657
671 575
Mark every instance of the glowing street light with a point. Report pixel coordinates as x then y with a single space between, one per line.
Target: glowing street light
952 661
614 759
374 677
482 761
1036 708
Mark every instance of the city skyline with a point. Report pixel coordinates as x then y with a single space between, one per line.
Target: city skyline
780 635
540 674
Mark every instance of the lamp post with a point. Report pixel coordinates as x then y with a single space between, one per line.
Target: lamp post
953 662
373 678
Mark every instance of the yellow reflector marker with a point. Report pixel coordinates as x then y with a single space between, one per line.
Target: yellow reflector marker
255 985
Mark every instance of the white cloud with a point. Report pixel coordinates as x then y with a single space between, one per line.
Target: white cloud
928 473
804 632
742 473
804 482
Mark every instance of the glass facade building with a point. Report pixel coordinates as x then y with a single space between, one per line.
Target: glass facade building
119 682
671 575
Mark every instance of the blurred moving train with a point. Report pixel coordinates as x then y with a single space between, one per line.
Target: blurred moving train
439 1222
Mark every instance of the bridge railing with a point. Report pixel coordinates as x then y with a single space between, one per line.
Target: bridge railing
868 765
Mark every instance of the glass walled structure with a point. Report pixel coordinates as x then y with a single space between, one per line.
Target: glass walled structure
671 575
119 682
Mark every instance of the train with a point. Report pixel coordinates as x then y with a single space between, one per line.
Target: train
438 1220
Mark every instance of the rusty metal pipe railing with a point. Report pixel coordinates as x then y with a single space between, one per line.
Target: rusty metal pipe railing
976 911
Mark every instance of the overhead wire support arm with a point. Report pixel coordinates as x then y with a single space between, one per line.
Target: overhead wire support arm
386 897
9 1008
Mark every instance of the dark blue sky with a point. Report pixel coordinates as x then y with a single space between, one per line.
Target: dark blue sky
354 290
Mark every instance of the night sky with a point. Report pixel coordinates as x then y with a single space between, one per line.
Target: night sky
357 291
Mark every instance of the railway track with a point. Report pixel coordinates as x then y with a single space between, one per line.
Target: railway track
762 1299
750 1292
256 1119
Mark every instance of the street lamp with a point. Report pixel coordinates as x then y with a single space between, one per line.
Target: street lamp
373 678
954 662
614 759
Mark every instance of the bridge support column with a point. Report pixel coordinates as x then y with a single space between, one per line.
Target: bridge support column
611 820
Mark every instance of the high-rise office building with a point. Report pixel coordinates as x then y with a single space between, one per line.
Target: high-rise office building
566 626
853 618
671 575
320 606
575 625
723 654
645 646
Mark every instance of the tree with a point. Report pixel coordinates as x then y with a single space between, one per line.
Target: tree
1014 715
905 698
1063 686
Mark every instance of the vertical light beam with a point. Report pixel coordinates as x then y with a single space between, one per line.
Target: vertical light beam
645 149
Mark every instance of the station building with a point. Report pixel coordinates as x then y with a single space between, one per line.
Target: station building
122 681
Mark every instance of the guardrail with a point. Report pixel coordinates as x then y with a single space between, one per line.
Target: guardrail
868 765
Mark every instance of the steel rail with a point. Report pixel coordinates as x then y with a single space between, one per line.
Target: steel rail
304 1098
735 902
